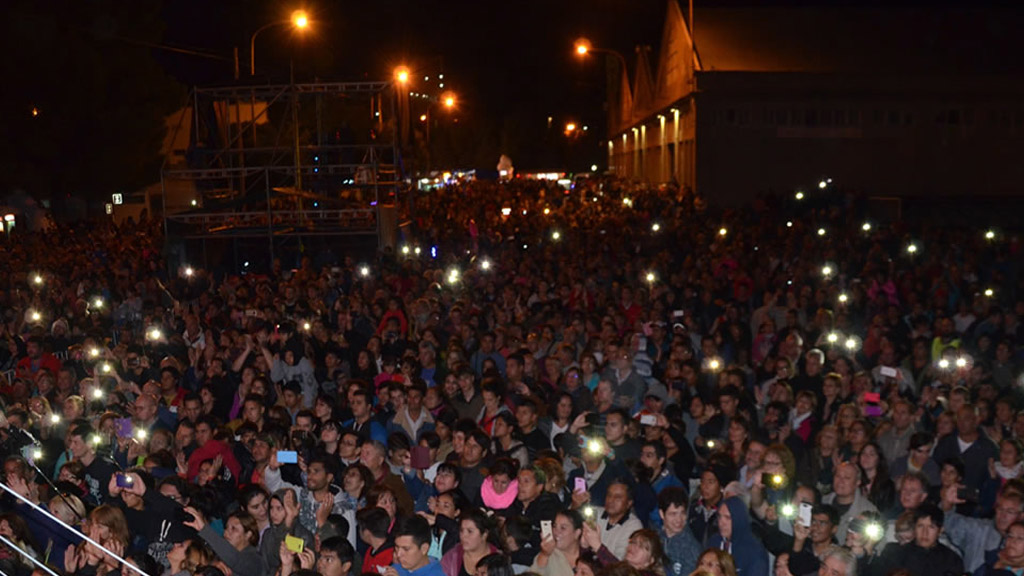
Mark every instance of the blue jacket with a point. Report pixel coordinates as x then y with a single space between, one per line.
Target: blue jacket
433 568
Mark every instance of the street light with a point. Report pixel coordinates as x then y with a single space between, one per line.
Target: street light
448 99
584 47
402 75
299 19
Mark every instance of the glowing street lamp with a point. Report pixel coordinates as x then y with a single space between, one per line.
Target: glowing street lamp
299 20
402 75
584 47
866 227
990 235
799 195
570 127
448 99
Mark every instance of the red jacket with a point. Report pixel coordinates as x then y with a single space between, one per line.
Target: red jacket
26 369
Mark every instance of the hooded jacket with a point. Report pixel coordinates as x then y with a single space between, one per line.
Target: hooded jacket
748 552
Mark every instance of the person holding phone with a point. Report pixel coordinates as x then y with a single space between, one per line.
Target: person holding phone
559 553
810 542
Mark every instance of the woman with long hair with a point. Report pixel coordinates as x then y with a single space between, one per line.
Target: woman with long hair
875 481
822 460
15 529
476 540
356 483
562 414
284 515
507 441
108 527
493 395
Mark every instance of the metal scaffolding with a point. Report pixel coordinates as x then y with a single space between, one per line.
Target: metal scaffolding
280 165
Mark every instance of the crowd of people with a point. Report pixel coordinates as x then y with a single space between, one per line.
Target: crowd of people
611 380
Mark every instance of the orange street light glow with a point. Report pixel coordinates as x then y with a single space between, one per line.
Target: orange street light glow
402 74
300 19
582 46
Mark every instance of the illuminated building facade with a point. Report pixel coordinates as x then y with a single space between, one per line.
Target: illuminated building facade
893 102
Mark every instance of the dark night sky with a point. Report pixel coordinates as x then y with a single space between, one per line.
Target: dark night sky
500 57
510 62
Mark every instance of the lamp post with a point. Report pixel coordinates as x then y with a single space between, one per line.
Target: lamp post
584 47
299 19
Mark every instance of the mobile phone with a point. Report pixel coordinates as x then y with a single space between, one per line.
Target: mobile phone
677 314
123 480
580 485
887 372
123 427
294 544
804 515
287 457
967 494
545 529
773 480
648 419
588 513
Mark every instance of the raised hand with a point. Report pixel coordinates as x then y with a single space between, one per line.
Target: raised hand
197 522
